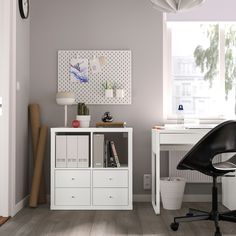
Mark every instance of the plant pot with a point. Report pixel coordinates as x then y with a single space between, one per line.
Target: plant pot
120 93
172 192
109 93
84 120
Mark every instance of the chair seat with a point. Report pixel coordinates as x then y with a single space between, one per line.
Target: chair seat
226 165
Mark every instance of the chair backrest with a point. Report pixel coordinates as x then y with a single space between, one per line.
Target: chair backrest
221 139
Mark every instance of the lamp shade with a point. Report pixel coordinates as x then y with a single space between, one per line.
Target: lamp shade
65 98
175 6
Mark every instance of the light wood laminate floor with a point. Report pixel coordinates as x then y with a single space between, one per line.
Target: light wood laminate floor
140 221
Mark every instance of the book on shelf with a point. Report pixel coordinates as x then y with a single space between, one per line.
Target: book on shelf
106 153
111 124
114 153
109 158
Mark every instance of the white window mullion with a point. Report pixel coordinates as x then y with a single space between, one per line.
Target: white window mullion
222 60
167 72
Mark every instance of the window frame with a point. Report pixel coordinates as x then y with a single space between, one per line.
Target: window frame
167 77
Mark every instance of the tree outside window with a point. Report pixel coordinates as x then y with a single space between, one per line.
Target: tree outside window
203 74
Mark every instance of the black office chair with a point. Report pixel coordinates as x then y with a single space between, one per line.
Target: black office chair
221 139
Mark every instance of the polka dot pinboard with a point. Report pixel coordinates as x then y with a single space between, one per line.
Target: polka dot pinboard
117 70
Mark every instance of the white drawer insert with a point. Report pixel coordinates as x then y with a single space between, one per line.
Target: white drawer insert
110 196
180 138
72 196
114 178
72 178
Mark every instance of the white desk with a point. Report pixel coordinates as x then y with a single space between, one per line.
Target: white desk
181 139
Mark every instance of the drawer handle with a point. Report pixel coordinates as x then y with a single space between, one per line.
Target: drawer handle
110 178
72 178
72 196
110 197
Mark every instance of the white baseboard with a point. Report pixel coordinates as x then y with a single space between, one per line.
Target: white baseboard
21 204
187 198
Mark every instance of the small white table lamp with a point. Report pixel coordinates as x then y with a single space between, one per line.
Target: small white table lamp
65 98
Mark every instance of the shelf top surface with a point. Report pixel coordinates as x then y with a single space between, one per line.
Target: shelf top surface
92 168
90 129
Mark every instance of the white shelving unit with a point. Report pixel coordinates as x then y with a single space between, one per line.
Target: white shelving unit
90 188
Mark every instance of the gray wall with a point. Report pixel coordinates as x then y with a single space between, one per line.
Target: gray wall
103 24
22 100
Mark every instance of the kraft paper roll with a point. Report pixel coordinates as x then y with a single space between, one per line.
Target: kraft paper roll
38 167
34 112
35 124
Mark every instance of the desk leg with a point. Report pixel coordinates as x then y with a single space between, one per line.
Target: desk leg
156 173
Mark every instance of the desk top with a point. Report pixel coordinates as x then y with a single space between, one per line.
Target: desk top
179 130
184 131
176 137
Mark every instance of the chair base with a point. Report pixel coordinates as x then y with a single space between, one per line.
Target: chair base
197 215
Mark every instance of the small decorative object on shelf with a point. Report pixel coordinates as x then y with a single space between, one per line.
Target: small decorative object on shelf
75 124
107 117
111 124
83 115
108 89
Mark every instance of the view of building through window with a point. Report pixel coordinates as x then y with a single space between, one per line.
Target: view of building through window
201 80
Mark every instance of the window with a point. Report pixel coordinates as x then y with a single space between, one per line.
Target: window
203 69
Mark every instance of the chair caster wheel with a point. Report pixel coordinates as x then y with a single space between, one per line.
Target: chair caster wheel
174 226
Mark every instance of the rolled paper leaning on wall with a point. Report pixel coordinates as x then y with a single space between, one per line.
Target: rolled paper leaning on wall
34 115
38 167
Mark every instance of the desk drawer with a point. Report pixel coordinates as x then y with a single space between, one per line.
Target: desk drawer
110 196
114 178
72 196
180 138
72 178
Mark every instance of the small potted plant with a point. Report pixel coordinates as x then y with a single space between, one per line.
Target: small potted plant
120 93
108 89
83 115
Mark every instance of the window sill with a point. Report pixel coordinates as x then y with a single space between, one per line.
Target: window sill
173 120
